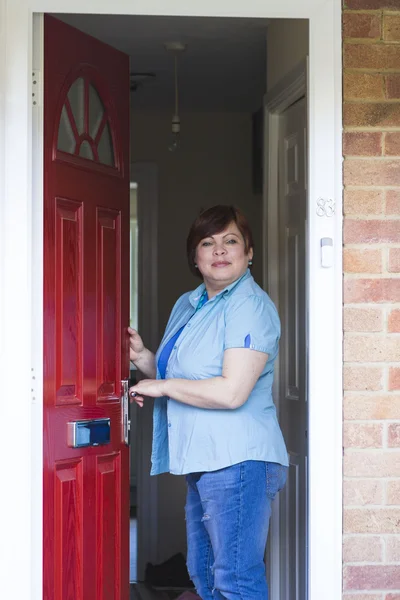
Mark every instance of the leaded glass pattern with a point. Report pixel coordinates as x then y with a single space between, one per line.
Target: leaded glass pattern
84 129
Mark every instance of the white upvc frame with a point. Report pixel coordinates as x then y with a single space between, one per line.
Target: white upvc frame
21 279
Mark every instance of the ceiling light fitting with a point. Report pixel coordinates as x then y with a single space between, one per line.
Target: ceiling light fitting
138 79
176 48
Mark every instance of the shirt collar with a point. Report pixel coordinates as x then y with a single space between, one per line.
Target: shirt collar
196 294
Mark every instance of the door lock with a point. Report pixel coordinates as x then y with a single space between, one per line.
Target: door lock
125 422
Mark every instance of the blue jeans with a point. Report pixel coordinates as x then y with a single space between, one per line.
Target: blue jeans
227 521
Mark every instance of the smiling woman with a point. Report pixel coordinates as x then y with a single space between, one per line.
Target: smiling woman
214 418
219 247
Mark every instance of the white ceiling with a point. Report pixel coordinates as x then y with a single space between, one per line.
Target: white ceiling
223 68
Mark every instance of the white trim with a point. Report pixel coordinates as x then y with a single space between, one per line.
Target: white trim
289 89
19 508
17 268
37 304
213 8
325 306
146 176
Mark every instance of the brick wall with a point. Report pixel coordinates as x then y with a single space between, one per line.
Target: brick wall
371 146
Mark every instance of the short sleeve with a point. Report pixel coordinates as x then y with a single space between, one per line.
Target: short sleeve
252 322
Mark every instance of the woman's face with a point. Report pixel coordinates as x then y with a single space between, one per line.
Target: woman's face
221 258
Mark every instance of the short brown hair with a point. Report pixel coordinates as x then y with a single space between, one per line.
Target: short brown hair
214 220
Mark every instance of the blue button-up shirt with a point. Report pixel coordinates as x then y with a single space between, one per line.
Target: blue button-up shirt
187 439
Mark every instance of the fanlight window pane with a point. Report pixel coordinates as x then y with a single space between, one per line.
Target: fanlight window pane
96 111
76 97
85 150
105 147
66 139
84 129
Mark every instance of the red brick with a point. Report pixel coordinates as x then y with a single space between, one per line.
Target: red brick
391 28
392 143
371 407
362 261
362 319
372 171
362 435
363 86
394 258
371 348
371 232
392 86
361 348
371 290
362 379
362 597
371 4
353 596
393 202
364 202
372 463
371 114
394 379
392 348
361 25
371 577
392 597
393 549
371 520
371 56
362 492
394 321
394 436
393 492
362 143
362 549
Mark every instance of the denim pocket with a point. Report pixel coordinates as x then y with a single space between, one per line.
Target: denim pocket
276 478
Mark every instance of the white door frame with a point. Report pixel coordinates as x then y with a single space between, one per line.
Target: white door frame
21 277
288 90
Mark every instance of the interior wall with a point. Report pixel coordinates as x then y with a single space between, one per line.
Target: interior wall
212 166
287 45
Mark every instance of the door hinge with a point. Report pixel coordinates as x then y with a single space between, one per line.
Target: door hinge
36 88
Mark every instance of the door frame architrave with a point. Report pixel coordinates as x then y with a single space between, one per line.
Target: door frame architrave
21 250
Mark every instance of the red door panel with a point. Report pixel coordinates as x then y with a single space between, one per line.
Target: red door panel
86 312
108 297
68 534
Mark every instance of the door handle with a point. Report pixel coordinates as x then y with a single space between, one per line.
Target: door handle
125 423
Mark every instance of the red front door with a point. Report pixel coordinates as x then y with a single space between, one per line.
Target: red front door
86 312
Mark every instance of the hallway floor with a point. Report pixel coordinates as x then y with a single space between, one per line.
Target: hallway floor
140 591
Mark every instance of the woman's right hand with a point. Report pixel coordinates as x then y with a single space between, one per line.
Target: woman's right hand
136 345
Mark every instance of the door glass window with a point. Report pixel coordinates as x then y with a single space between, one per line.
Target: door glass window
84 129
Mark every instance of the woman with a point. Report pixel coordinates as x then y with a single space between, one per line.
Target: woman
214 418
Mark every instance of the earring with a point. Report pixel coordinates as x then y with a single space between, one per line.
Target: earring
196 266
250 262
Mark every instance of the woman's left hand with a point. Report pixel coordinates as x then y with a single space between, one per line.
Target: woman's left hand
146 387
